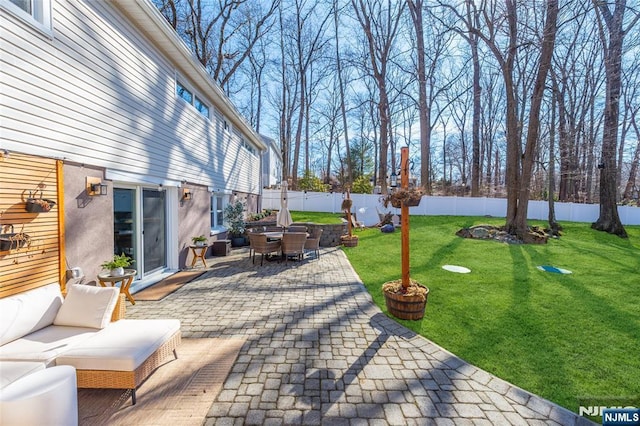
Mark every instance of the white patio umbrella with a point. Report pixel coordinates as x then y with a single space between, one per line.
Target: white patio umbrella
284 217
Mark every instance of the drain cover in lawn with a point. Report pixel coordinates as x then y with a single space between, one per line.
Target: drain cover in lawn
455 268
553 269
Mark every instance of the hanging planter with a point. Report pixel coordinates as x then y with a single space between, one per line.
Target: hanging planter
13 241
410 197
39 205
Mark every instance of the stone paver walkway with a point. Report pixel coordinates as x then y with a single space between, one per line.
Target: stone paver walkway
319 351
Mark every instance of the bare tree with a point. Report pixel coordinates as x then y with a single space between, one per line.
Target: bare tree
415 7
632 108
612 40
533 130
380 20
309 41
493 26
343 108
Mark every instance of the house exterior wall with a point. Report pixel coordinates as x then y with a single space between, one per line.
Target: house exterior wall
99 93
271 164
89 221
194 219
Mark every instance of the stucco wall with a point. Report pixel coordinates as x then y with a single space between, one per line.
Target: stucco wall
194 218
88 221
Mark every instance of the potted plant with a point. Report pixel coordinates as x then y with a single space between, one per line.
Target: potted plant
117 264
234 218
199 241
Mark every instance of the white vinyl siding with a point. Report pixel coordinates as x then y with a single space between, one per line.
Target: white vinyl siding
100 91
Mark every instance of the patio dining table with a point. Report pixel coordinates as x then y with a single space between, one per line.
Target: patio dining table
273 236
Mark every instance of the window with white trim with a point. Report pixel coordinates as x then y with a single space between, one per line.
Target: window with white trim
187 95
219 201
246 145
202 107
35 12
184 93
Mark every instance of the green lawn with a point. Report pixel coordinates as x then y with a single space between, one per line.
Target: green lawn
559 336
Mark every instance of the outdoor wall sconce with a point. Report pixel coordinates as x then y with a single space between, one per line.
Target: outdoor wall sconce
186 194
95 186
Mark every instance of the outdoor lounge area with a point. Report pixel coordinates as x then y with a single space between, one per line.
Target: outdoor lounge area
302 345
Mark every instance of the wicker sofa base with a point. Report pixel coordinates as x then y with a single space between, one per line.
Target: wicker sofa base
106 379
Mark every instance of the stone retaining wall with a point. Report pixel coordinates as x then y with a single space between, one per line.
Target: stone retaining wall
330 232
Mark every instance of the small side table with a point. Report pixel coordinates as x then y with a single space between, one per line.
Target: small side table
198 254
124 280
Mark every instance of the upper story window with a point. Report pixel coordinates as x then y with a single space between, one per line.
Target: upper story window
248 146
202 107
35 12
184 93
188 96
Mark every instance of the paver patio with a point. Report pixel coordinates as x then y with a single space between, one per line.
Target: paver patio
319 351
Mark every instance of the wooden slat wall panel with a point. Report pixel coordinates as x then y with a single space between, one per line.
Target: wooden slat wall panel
38 263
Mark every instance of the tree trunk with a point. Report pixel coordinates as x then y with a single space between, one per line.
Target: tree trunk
415 7
633 172
546 53
609 220
343 108
477 108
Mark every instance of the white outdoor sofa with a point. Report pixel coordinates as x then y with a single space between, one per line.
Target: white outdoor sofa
40 329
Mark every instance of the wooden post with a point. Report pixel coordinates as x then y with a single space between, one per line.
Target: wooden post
404 220
348 212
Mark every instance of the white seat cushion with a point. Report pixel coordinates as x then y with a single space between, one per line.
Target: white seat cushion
44 345
10 371
122 346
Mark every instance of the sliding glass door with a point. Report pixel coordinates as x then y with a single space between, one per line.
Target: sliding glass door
140 227
154 230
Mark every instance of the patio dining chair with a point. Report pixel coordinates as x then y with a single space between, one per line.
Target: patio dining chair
313 242
259 244
293 244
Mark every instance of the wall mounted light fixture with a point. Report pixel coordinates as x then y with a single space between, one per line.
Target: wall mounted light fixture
186 194
95 186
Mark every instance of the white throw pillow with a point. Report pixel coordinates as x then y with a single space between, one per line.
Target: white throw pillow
87 306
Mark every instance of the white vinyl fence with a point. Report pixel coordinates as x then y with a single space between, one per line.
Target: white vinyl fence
367 206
